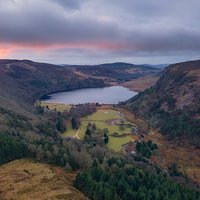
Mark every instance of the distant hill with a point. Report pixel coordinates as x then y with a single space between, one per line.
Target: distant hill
172 105
161 66
118 71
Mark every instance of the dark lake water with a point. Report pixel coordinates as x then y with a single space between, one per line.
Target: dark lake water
106 95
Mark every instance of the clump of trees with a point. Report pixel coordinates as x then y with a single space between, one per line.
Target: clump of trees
11 147
47 129
60 124
173 170
145 149
39 109
180 123
94 136
75 121
82 110
16 121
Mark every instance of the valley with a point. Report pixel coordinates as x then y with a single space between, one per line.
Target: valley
185 156
99 100
119 129
81 137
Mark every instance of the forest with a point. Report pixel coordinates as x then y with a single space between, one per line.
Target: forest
117 179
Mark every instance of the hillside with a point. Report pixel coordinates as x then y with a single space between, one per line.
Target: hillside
172 105
121 73
32 180
23 81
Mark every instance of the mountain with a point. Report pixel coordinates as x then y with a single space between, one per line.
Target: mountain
134 77
23 81
172 105
118 71
121 64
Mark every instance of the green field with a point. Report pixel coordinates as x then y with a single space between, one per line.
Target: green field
56 106
109 119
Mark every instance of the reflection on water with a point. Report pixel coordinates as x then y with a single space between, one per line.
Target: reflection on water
107 95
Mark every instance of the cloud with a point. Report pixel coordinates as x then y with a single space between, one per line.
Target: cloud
99 28
72 4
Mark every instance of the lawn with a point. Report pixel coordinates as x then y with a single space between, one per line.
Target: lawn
109 119
115 143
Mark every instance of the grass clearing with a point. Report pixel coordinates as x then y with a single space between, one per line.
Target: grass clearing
56 106
107 118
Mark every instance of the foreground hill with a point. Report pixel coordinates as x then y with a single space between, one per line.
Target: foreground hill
31 180
172 105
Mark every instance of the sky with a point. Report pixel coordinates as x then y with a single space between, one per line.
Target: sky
99 31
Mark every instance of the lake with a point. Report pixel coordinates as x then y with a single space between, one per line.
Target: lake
106 95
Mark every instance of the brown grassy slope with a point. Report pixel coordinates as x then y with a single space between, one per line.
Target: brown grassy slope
180 82
186 157
27 180
140 84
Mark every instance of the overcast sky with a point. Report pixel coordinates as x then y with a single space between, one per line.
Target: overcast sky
98 31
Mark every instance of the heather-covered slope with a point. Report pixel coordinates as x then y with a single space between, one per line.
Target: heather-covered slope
27 179
173 104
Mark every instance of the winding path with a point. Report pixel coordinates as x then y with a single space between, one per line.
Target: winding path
122 116
76 136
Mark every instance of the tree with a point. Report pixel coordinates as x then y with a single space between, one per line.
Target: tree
128 195
88 132
75 122
108 194
60 125
121 125
106 138
39 110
